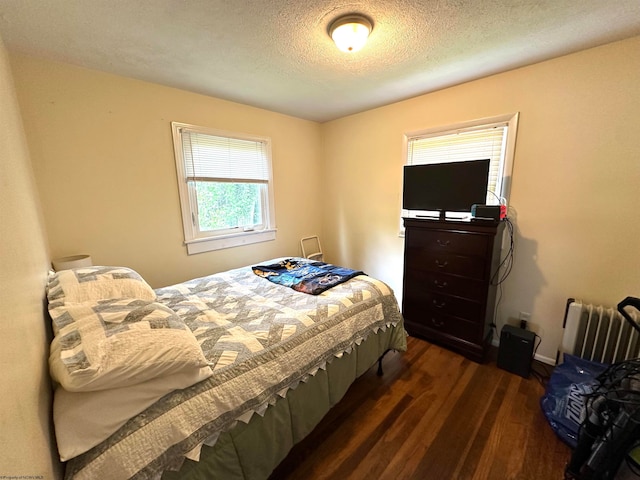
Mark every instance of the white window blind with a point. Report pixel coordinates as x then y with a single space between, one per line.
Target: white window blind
223 159
464 145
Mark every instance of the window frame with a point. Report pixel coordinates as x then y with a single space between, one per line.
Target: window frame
504 179
198 241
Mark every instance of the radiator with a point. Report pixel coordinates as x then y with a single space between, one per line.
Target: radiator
598 333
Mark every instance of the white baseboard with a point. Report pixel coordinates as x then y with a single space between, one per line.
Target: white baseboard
543 359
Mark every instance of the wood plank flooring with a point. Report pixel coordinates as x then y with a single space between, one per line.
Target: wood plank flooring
432 415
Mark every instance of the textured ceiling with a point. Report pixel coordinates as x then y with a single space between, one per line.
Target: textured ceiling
276 54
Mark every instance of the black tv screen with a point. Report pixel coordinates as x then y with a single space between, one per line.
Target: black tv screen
446 187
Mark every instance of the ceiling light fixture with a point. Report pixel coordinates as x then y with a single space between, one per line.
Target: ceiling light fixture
350 32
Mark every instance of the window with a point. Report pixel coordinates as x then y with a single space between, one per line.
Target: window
492 138
225 185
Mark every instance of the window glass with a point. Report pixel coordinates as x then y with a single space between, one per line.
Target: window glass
223 206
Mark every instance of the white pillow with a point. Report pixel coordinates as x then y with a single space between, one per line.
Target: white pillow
92 284
116 343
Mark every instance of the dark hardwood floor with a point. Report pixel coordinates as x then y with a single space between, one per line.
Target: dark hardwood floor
432 415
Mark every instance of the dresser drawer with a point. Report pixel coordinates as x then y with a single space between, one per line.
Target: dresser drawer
439 304
421 259
438 241
426 322
438 282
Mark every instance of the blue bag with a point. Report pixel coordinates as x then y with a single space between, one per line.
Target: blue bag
563 402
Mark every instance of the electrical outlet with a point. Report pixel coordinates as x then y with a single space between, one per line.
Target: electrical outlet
526 316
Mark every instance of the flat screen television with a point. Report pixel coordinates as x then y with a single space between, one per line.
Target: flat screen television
445 187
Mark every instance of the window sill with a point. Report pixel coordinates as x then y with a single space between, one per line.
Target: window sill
202 245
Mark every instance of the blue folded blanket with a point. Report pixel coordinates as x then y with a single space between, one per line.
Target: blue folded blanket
305 276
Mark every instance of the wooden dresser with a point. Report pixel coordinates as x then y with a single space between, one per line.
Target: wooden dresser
448 295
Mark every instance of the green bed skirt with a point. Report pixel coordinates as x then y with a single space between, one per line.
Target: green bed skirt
252 451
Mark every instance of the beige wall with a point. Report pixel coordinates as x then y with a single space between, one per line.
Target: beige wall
575 194
102 152
25 402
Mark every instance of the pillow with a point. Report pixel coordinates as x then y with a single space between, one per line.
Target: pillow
116 343
92 284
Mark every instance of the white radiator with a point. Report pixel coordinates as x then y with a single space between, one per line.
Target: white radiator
599 333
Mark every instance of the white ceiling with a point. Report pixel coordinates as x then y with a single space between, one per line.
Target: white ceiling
277 55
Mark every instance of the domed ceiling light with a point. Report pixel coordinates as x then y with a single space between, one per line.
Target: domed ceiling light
350 32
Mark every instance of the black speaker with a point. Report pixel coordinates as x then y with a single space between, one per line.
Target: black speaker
516 350
486 211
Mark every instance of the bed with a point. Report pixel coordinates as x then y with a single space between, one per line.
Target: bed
217 377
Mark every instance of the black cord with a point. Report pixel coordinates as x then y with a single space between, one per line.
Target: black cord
542 380
507 261
541 377
546 374
536 347
497 309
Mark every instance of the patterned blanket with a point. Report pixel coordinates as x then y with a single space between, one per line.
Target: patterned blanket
304 276
261 339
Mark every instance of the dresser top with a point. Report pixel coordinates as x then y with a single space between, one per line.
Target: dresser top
449 224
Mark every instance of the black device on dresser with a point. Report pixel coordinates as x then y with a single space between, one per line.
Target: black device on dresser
448 296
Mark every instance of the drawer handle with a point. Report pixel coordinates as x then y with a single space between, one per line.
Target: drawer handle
439 305
441 264
440 284
442 243
437 323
